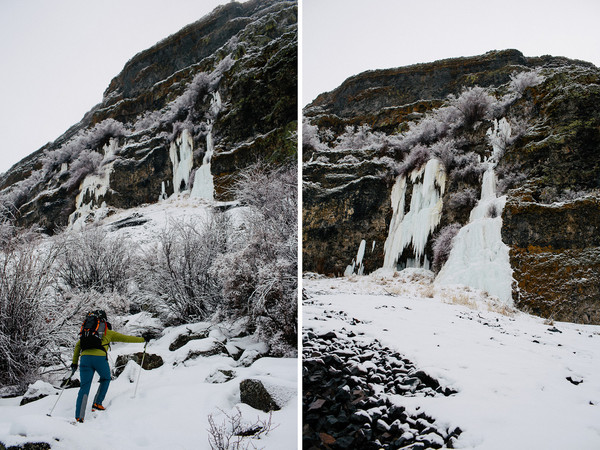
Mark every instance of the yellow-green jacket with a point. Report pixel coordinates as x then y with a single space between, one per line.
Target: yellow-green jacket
109 336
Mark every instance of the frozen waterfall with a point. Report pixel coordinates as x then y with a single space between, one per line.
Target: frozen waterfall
408 233
478 257
182 158
203 179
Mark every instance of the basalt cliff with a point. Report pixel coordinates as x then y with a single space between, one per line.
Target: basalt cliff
182 116
484 169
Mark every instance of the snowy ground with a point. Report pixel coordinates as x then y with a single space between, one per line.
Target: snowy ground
171 407
523 382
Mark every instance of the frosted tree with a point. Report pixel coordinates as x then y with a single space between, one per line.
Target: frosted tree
176 276
26 279
92 259
259 273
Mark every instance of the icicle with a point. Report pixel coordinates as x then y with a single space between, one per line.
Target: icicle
360 255
163 193
358 261
414 228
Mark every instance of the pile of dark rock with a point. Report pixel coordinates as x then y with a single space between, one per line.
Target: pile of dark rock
347 384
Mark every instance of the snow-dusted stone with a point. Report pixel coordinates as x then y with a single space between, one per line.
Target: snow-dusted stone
151 361
212 349
234 351
249 356
254 393
129 372
220 376
38 390
183 339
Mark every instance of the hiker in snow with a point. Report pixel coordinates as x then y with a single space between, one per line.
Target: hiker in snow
96 334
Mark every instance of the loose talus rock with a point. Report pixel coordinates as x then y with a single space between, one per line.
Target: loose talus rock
346 384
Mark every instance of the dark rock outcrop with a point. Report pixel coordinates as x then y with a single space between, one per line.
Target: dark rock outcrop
245 53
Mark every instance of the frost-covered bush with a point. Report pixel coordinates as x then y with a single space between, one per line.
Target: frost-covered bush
183 112
442 245
466 198
85 140
176 274
519 81
418 156
17 194
473 103
551 194
87 163
94 260
185 103
509 177
446 151
259 273
25 326
467 166
103 131
310 138
426 131
360 138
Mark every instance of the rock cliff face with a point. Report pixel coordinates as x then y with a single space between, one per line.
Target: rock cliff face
182 116
517 142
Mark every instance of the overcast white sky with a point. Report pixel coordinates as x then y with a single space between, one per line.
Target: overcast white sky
342 38
59 56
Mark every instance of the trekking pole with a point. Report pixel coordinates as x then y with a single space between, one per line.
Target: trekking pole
61 392
141 368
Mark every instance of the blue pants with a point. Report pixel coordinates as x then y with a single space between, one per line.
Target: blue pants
87 366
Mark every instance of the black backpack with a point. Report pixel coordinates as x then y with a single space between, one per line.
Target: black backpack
93 330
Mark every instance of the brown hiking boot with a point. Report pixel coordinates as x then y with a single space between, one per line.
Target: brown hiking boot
97 407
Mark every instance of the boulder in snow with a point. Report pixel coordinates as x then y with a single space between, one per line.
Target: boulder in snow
36 391
249 356
254 393
151 361
183 339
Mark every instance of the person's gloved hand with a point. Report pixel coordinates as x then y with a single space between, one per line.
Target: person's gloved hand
147 335
73 367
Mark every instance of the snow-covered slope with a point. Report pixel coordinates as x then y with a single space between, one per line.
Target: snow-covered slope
174 401
522 382
170 410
